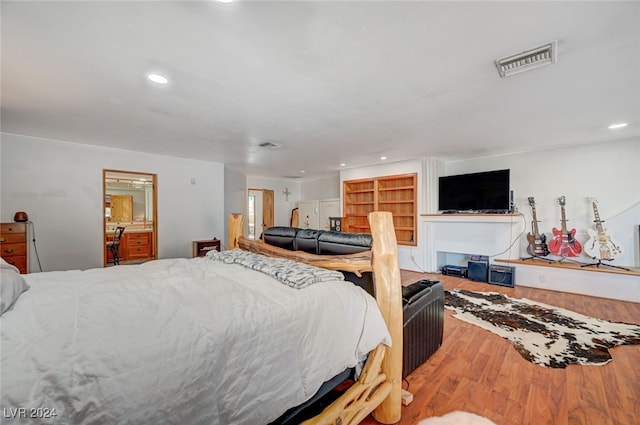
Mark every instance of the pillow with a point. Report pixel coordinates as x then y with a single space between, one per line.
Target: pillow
11 285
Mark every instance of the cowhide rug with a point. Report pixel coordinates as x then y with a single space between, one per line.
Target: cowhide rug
545 335
457 418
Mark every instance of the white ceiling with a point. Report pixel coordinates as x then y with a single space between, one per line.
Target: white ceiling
331 81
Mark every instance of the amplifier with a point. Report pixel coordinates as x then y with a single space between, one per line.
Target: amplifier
502 275
457 271
478 268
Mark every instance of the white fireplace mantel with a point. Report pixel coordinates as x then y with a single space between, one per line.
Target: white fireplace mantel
493 235
448 237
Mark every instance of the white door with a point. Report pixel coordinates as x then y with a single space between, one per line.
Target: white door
328 208
308 214
254 221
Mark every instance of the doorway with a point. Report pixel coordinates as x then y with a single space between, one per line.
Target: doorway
260 211
129 201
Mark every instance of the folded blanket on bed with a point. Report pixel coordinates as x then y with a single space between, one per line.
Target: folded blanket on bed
291 273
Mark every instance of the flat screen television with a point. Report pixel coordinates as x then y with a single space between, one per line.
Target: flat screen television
485 192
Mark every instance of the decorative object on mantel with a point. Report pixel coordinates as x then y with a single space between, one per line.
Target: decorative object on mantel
286 193
457 418
543 334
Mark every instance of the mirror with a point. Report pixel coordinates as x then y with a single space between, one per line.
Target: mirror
129 201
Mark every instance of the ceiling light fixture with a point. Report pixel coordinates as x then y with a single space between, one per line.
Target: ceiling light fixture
383 158
618 125
343 165
528 59
158 79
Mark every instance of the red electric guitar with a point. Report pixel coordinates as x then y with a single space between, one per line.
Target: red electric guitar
564 244
537 242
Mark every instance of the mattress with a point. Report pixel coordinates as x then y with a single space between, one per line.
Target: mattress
177 341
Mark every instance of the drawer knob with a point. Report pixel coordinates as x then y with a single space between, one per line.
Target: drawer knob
2 239
8 251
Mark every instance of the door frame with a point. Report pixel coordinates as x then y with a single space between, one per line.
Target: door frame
154 199
268 210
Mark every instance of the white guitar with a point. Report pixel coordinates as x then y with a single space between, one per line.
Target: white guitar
600 245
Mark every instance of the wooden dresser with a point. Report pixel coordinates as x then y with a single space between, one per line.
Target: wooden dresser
14 245
134 246
139 246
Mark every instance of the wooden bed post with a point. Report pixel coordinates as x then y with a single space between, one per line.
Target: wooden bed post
235 229
388 287
379 388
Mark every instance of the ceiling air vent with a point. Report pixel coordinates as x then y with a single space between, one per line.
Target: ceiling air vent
527 60
270 145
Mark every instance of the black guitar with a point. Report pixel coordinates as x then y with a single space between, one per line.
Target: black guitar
537 242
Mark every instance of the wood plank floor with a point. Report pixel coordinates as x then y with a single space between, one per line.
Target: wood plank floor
479 372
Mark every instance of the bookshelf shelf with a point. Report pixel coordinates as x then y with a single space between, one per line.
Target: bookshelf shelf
396 194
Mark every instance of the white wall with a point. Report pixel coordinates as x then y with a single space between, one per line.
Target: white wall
59 184
607 171
326 188
282 207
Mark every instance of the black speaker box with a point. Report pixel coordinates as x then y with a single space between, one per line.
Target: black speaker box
335 224
478 268
502 275
457 271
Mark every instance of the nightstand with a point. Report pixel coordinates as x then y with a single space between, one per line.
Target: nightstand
200 248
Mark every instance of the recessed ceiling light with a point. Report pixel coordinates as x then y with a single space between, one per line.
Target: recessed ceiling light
618 125
225 1
301 171
383 158
158 79
343 165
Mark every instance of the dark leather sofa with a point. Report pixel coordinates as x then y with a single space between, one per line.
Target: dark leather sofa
323 242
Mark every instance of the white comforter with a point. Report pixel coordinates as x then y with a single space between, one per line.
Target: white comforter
181 341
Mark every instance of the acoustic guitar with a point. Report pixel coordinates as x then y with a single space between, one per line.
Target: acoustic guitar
600 246
537 242
564 242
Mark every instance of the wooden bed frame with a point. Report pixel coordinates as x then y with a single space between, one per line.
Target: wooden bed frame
378 390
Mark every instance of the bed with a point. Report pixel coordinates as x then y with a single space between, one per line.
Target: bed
198 341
